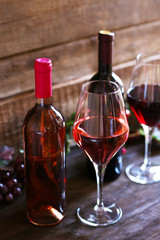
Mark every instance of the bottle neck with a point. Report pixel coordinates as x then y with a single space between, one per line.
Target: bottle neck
105 57
44 101
43 84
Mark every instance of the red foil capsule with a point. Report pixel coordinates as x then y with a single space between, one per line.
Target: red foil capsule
43 77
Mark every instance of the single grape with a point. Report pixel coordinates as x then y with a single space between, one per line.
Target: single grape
11 182
17 191
5 175
20 167
9 197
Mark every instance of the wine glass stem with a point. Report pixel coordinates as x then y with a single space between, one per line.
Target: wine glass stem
100 170
148 140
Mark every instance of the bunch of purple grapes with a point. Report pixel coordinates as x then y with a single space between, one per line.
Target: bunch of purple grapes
11 178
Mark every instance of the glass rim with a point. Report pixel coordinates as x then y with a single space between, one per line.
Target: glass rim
147 57
112 92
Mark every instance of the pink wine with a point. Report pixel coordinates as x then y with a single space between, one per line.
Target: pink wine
45 166
101 138
105 60
44 147
145 103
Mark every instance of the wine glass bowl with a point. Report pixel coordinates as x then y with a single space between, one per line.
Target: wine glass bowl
100 129
144 98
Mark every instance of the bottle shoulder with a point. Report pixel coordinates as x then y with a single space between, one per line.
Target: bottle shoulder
47 116
108 77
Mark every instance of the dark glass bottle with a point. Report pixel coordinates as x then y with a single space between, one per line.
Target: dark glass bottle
44 148
106 42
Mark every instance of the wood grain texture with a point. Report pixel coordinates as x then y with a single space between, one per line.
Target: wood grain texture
140 205
30 25
75 59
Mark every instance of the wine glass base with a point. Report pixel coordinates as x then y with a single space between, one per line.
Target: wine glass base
137 174
110 214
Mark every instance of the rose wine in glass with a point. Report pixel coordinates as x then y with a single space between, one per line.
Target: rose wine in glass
100 129
144 99
105 72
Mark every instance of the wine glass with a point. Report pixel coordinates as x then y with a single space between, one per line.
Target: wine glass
100 129
144 99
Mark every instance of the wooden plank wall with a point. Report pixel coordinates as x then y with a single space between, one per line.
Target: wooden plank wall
66 31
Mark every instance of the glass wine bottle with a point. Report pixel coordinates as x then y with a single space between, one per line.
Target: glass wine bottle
44 150
105 57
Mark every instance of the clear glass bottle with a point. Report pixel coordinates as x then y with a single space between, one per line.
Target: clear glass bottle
105 59
44 150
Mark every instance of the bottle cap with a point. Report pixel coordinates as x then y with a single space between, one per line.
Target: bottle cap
106 36
106 39
43 77
43 65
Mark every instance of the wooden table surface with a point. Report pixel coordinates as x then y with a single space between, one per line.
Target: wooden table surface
140 205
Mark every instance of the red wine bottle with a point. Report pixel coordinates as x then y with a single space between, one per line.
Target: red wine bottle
44 151
105 57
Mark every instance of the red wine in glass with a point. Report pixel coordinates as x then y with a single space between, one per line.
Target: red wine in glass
100 143
147 110
144 99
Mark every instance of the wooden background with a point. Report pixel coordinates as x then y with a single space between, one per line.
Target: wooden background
66 31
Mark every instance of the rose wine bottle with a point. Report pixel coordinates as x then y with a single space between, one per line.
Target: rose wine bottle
44 150
106 41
